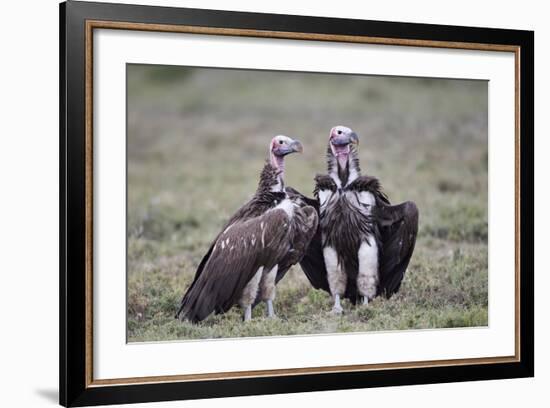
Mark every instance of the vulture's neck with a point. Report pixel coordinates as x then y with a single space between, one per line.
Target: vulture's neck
271 179
343 175
278 163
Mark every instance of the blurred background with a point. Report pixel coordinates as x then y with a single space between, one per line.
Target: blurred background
197 141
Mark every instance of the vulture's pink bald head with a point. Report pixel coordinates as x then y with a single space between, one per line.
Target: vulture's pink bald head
341 139
279 147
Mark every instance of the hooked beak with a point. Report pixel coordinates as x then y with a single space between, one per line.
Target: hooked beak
293 147
344 140
296 147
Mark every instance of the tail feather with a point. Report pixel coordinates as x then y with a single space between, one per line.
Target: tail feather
196 304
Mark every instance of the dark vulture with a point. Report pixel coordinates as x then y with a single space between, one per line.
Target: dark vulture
266 236
364 244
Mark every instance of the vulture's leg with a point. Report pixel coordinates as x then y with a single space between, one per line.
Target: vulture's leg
247 313
270 312
367 277
336 278
249 294
267 289
337 308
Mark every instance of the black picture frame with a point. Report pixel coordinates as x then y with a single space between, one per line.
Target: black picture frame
75 389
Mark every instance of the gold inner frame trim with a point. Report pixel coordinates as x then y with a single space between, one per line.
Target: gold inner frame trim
299 371
93 24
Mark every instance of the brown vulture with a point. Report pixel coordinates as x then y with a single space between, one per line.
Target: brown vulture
364 244
256 247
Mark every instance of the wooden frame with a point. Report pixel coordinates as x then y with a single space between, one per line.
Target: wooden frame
77 22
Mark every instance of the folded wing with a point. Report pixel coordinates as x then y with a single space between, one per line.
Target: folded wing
233 259
398 231
304 227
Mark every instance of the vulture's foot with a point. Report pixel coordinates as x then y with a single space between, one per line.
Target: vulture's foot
270 312
365 301
247 313
337 308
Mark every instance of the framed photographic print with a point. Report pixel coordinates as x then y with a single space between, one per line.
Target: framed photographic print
256 203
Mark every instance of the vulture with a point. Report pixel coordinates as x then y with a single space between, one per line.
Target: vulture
256 247
363 244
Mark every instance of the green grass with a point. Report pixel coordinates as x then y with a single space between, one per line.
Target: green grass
197 140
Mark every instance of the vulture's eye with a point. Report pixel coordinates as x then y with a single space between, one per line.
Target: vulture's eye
280 142
339 132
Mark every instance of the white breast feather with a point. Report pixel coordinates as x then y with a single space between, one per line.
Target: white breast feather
324 196
277 187
353 174
366 197
287 206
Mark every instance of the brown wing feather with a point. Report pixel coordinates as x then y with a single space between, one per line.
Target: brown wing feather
304 226
235 257
398 228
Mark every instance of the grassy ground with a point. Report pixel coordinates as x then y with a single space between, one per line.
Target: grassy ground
197 140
